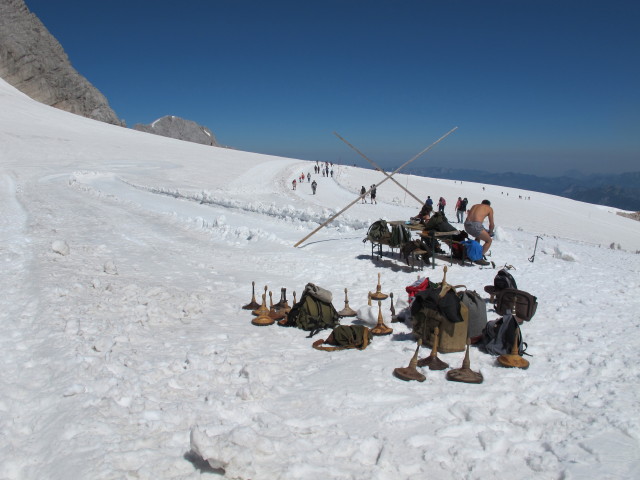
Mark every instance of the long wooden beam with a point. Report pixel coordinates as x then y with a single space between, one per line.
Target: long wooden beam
377 185
377 167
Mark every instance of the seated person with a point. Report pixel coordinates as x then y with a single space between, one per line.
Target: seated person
424 214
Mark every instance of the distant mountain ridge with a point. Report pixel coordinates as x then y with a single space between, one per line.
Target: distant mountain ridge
614 190
179 128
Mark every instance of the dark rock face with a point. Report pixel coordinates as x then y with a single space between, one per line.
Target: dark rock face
33 61
176 127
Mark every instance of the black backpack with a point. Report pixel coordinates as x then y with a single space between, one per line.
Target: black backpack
439 223
498 336
503 279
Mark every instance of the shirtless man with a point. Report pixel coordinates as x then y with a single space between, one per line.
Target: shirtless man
473 224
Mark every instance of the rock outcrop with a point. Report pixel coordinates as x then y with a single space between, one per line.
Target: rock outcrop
176 127
33 61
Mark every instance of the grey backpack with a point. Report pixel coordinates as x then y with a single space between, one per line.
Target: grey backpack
498 336
477 309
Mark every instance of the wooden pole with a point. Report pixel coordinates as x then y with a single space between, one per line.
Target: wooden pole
377 185
377 167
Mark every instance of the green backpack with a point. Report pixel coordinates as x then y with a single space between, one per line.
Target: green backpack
378 232
344 337
314 311
400 235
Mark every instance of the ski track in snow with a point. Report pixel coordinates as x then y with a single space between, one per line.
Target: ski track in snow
130 356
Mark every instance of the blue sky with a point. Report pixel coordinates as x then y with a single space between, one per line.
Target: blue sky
534 86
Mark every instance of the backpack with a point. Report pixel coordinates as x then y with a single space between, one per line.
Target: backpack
526 304
457 251
344 337
477 311
429 310
314 311
400 235
504 279
378 232
498 336
473 249
439 223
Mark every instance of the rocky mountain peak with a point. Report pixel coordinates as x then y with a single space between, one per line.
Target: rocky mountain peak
34 62
176 127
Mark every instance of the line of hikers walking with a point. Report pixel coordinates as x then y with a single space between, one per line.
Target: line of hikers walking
327 170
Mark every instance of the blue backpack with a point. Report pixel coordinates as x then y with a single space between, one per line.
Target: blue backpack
473 250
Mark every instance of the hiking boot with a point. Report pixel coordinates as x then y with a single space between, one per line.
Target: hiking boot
481 262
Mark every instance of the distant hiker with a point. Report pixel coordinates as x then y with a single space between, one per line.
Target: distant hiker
441 204
473 225
373 194
332 173
457 208
308 177
363 192
314 185
461 208
294 183
429 201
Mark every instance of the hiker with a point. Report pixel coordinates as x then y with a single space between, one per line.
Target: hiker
429 201
363 191
373 194
441 203
308 177
461 207
314 185
294 183
473 224
457 208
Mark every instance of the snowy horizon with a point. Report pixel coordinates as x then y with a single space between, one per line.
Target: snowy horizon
128 256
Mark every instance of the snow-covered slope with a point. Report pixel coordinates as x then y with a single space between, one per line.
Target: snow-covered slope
129 356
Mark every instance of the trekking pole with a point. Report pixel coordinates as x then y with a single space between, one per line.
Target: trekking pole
533 257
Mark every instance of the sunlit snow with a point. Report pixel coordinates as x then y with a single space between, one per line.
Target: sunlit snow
126 260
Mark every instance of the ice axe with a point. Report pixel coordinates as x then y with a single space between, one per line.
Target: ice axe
533 257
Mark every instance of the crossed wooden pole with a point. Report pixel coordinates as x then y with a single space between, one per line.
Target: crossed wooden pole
388 177
377 167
